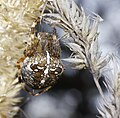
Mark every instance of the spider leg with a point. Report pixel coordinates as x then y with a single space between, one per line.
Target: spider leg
42 91
19 68
19 61
19 77
33 91
54 30
33 31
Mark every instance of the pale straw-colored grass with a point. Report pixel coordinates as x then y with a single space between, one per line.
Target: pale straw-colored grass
81 36
16 18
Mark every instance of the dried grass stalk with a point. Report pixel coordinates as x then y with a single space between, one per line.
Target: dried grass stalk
110 106
16 18
81 36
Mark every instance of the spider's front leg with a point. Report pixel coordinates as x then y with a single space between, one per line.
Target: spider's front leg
19 61
19 68
32 92
40 92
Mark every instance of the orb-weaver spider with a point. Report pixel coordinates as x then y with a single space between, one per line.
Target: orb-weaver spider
41 63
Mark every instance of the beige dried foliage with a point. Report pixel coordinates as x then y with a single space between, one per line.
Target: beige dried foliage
16 18
81 39
110 106
9 89
81 36
82 33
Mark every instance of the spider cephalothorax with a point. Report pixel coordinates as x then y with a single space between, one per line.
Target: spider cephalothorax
41 65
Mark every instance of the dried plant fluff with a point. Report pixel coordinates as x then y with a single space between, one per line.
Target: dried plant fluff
16 18
109 107
81 36
8 91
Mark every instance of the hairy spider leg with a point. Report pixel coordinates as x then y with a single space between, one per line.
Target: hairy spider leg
33 91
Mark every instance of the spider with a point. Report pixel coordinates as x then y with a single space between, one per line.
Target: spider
41 65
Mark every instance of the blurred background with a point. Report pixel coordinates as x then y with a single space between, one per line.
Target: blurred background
75 94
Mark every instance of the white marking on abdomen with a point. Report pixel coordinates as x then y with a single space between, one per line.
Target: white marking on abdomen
46 71
42 81
28 67
52 69
48 62
48 57
36 70
40 67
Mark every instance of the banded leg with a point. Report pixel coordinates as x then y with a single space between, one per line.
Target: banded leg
33 91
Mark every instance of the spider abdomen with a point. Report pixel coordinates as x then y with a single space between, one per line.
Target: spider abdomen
42 68
41 71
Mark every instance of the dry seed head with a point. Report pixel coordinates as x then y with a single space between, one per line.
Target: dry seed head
16 18
9 89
